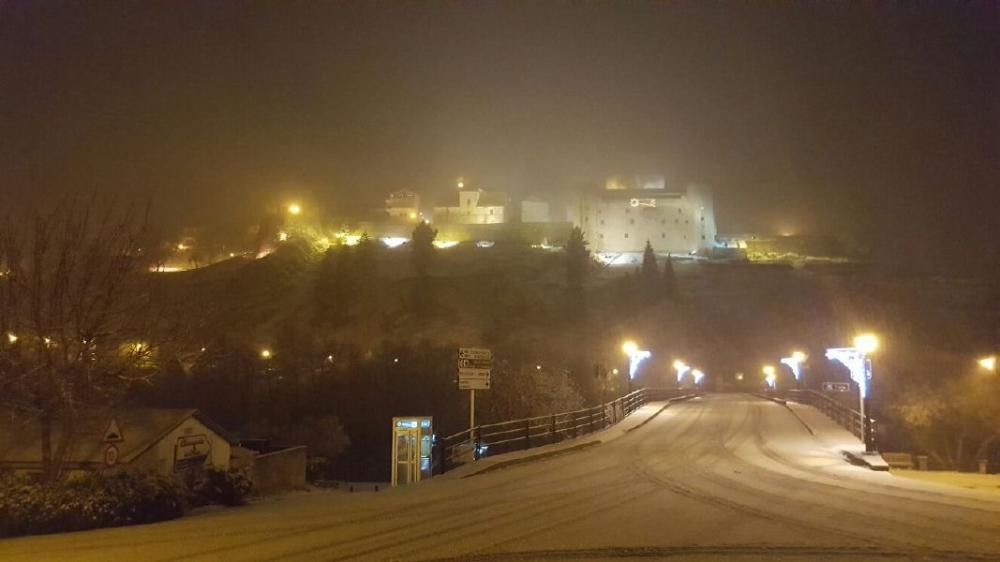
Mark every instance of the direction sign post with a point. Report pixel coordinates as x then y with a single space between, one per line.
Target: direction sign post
474 370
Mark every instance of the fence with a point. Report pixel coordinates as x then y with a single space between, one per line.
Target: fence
503 437
846 417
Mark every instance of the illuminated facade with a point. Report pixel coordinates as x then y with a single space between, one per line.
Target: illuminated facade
403 205
628 212
475 206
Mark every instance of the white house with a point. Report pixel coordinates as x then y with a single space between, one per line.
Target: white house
475 206
628 212
166 441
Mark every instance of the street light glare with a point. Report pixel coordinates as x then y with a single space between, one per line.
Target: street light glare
989 363
866 343
769 370
798 356
678 364
294 209
630 347
265 354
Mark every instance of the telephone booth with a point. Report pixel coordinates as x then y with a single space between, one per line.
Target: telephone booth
412 446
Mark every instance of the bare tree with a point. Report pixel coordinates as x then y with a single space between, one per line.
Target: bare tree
75 325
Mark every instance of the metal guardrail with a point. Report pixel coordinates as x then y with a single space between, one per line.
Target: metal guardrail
847 418
516 435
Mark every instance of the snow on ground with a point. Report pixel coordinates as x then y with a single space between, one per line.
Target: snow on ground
716 477
989 483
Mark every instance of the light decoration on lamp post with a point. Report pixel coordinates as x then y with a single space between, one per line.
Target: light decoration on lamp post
635 356
794 362
859 364
698 375
682 368
770 376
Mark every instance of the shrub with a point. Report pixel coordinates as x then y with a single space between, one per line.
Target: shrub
90 501
215 486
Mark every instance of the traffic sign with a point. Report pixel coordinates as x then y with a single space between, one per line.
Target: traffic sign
111 455
473 373
474 384
836 387
112 434
474 363
475 353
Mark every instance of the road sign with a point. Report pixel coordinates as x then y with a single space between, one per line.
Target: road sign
112 434
475 353
111 455
474 363
473 374
474 384
836 387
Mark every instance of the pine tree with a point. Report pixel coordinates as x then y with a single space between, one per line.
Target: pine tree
669 278
649 276
422 246
577 259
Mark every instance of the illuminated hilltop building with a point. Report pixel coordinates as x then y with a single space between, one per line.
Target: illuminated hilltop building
475 206
403 206
631 210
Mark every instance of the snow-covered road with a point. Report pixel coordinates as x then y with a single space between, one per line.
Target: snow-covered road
716 477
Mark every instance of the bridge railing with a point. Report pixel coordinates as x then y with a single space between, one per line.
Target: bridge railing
846 417
515 435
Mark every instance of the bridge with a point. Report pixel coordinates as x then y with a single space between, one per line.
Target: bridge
718 476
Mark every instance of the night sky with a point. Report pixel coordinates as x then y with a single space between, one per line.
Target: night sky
869 119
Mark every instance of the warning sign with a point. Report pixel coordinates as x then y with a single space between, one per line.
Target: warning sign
113 434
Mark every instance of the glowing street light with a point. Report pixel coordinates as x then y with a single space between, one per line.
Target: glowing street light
866 343
989 363
698 375
11 337
294 209
265 354
635 356
860 367
682 368
770 375
794 363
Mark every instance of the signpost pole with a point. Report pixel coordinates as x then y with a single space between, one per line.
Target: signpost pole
472 408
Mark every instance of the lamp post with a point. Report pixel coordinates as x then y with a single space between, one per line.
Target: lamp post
770 377
635 356
859 364
794 362
682 368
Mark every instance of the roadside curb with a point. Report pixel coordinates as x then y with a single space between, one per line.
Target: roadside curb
539 456
873 461
578 447
665 406
781 401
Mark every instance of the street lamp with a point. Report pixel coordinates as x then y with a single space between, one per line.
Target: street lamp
698 375
859 364
635 356
770 376
794 363
682 368
294 209
989 363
